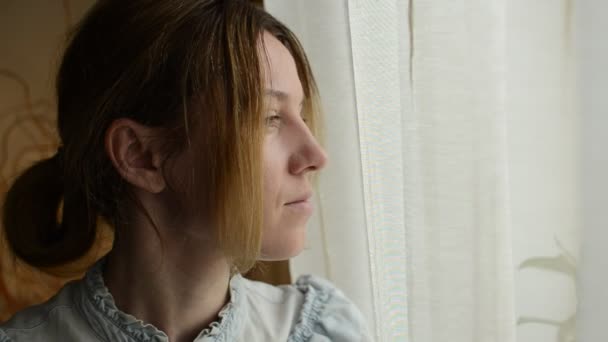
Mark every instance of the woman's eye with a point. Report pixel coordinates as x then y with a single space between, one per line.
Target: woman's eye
273 119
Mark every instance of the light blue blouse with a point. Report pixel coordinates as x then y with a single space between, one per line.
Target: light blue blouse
312 310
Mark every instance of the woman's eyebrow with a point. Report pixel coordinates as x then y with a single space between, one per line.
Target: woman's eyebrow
280 95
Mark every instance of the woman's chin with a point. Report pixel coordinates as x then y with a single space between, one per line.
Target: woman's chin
284 246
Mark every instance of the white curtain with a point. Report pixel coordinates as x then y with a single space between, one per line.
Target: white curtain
544 167
449 210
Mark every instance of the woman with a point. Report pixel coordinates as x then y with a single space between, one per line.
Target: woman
190 127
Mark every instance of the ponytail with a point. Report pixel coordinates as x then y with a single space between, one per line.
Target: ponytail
30 216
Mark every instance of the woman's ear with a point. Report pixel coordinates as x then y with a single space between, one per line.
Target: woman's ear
135 154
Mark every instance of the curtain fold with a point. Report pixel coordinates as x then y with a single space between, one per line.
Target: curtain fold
381 70
432 155
439 177
337 245
460 249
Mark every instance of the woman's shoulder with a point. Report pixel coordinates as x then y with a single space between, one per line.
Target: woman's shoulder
40 322
327 312
311 307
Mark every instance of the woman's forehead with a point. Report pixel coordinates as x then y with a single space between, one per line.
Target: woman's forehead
280 71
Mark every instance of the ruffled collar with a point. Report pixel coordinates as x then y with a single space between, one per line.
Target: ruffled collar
102 301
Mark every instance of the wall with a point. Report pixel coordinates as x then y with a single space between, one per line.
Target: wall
31 38
593 80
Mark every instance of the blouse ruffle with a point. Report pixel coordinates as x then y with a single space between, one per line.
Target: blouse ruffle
101 298
327 314
316 312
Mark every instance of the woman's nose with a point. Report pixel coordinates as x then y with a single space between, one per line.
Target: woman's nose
309 156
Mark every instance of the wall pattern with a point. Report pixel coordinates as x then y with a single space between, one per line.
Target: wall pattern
31 36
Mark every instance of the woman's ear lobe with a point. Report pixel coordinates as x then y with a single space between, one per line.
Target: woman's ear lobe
131 149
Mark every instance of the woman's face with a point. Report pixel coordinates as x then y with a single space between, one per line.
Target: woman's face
290 156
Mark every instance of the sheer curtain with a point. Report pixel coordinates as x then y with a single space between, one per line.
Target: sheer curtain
449 210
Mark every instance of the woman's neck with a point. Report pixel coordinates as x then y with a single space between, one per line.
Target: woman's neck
179 286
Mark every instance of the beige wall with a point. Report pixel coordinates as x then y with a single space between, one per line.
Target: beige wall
32 33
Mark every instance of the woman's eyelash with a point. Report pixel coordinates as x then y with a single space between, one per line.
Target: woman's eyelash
273 118
277 117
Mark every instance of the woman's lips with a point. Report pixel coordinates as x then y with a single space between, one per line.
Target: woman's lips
304 206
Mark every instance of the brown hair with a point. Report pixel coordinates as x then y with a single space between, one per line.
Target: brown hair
183 66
